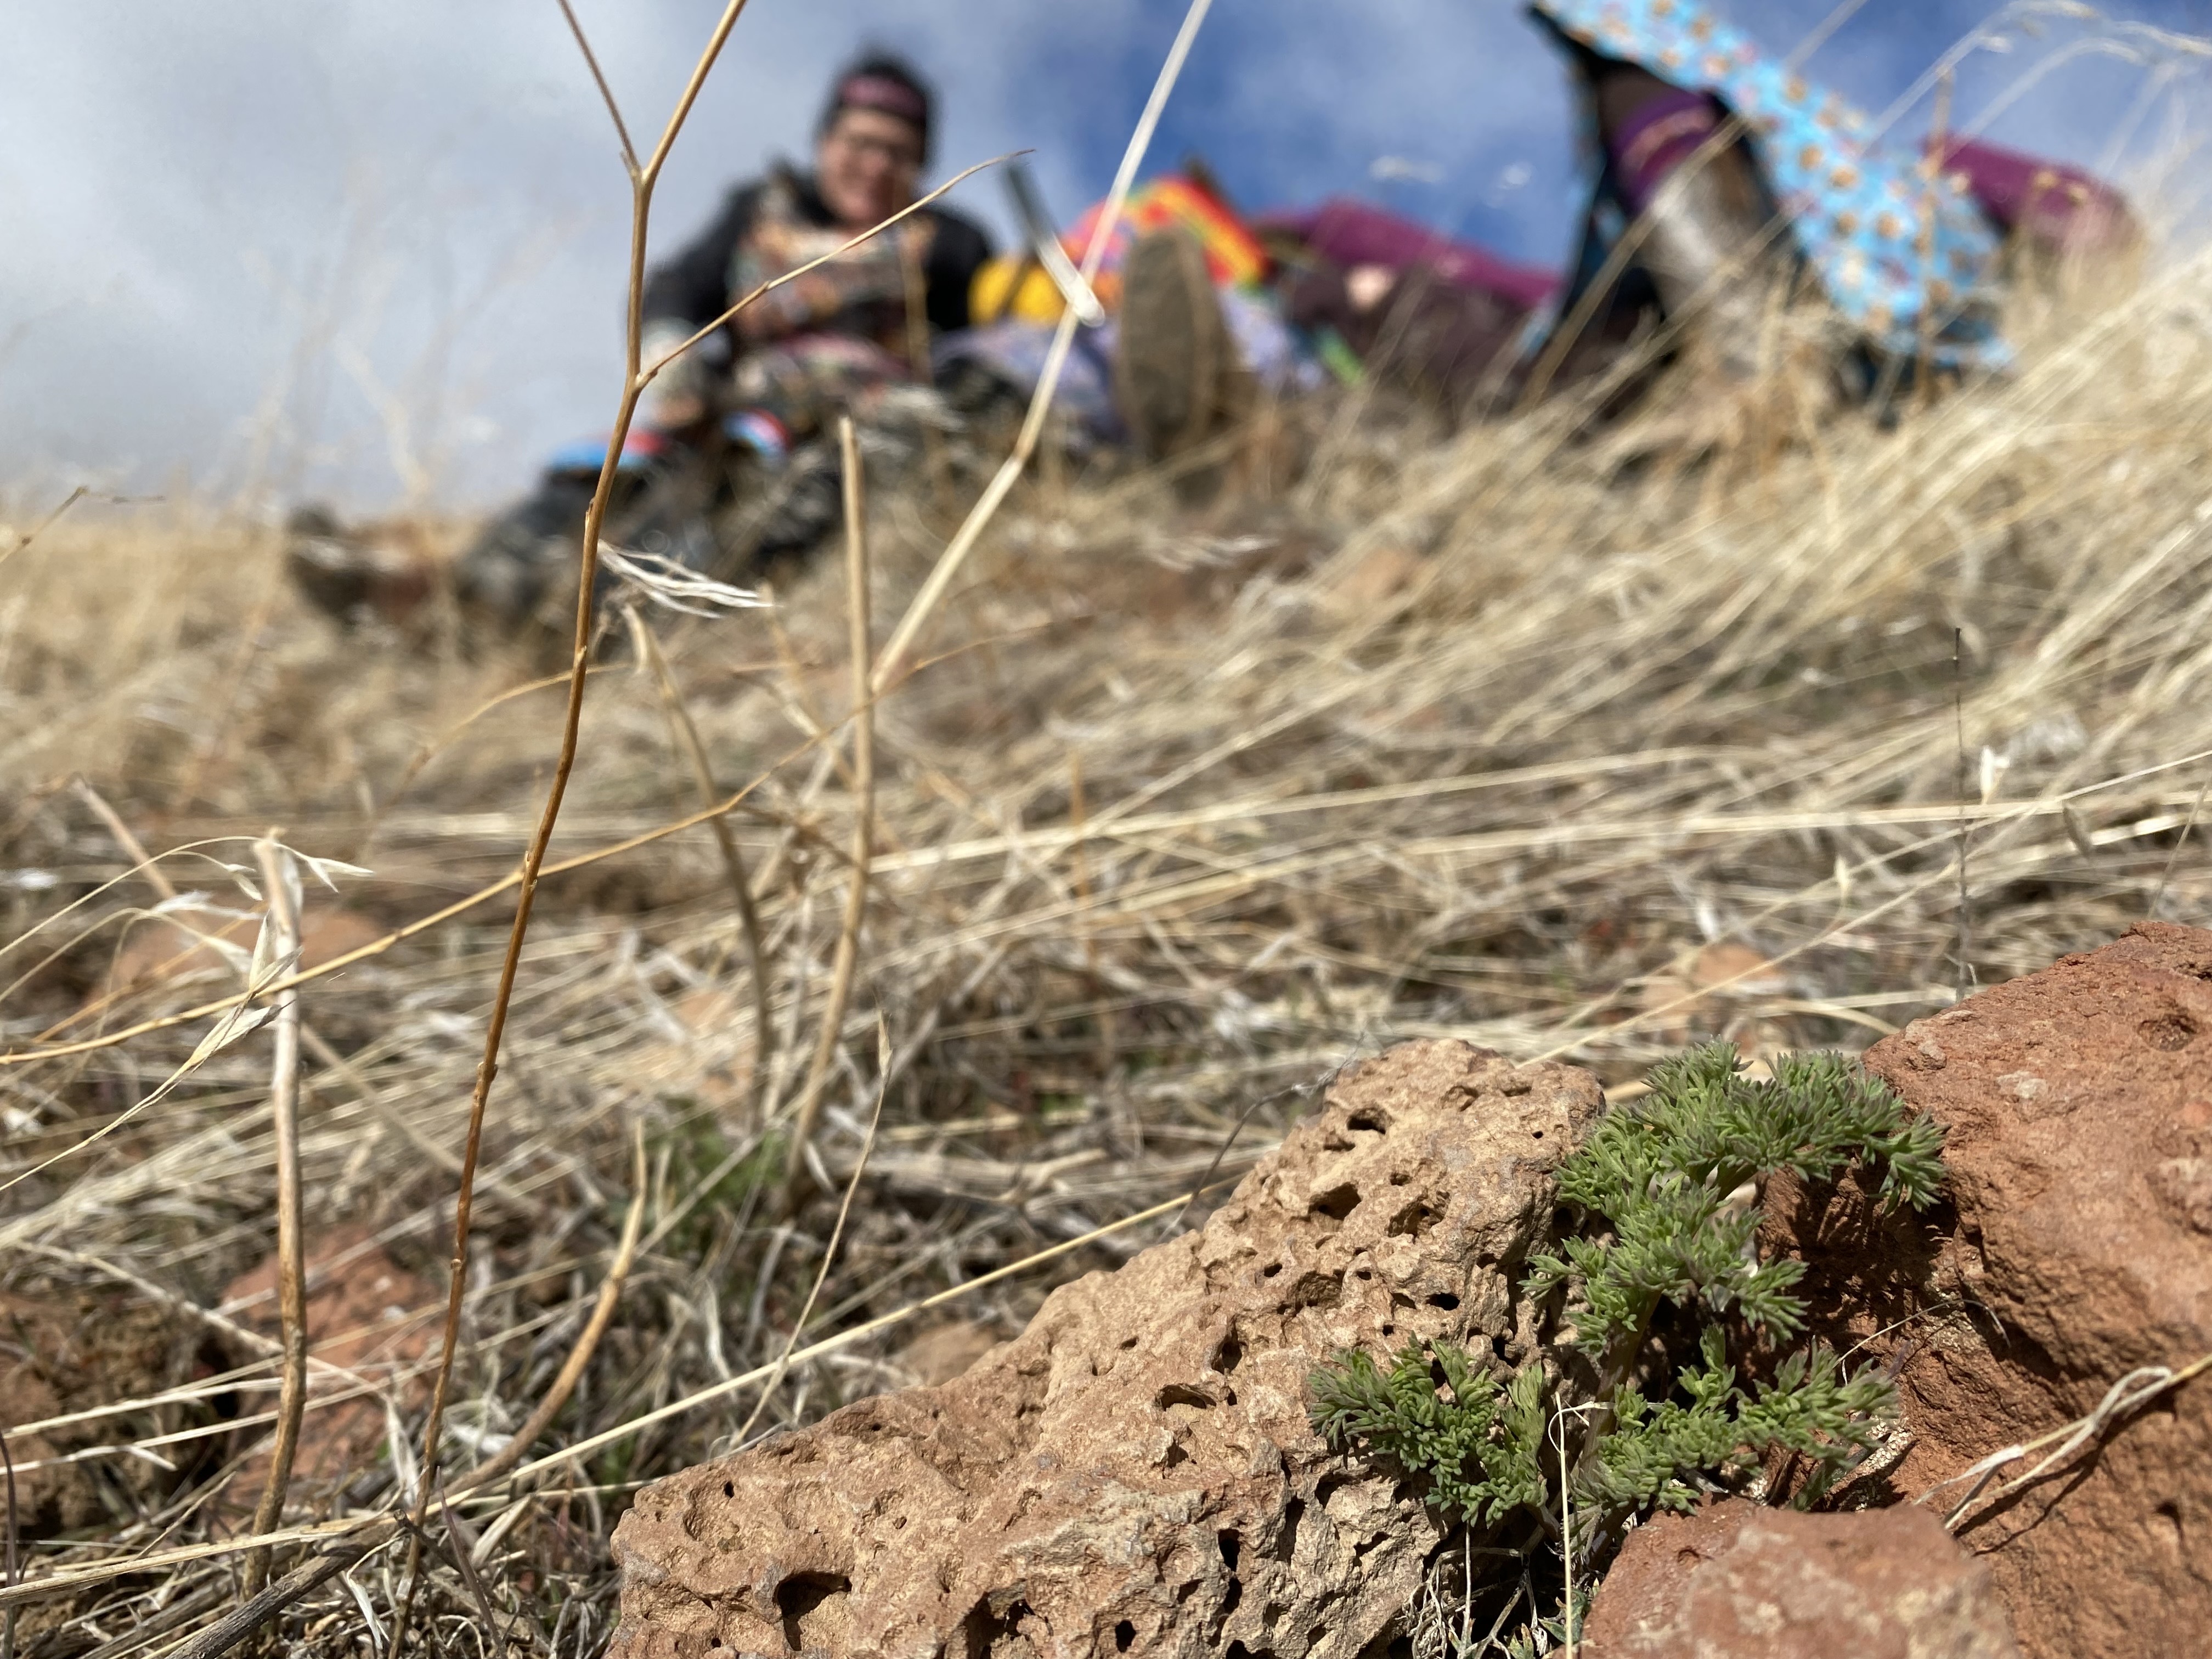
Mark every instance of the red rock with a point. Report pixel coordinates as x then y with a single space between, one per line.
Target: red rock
365 1314
1135 1473
162 953
2076 1247
1737 1581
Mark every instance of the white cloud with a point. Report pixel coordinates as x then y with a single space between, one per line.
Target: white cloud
204 203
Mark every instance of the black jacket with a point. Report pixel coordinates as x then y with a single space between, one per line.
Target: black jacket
693 287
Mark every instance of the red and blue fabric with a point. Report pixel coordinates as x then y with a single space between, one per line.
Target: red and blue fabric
641 448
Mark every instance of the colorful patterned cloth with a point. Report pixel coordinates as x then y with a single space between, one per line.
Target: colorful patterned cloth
1888 238
861 293
801 384
1234 258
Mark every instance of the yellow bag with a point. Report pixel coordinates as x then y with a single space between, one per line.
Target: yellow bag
1013 285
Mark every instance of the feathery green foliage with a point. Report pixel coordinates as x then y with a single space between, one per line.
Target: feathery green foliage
1668 1174
1477 1443
1659 1452
1669 1186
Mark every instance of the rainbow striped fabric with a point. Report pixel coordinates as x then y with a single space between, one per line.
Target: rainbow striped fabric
1234 257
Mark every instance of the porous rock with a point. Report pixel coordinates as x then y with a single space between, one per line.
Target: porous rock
2075 1247
1738 1581
1135 1473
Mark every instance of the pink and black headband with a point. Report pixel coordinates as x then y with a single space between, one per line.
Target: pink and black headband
881 92
886 89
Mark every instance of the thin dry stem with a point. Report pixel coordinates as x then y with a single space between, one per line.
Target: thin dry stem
533 861
907 635
279 892
859 645
7 1472
685 733
133 848
1566 1532
557 1392
836 1236
606 93
44 523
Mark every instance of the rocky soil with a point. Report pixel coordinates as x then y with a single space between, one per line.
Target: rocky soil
1136 1474
2076 1257
1739 1581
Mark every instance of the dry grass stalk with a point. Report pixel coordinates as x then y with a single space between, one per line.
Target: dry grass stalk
1601 730
14 1544
643 177
44 523
2126 1396
836 1235
563 1386
860 649
280 888
1566 1534
685 734
142 863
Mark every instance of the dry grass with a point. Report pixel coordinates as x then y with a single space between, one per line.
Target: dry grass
1463 738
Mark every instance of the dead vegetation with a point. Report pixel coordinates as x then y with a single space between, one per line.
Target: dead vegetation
1463 738
1174 812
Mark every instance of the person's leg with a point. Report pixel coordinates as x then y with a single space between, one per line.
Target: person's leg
506 574
1709 232
1174 360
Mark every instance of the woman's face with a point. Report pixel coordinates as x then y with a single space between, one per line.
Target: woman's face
867 164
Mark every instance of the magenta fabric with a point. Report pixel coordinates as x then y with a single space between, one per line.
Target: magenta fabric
1666 130
2070 209
1354 233
881 93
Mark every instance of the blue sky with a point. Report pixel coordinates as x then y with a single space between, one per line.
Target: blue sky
374 247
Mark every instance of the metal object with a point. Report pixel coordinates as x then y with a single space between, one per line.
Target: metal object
1043 244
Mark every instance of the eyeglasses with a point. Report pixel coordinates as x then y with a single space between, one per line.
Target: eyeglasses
907 155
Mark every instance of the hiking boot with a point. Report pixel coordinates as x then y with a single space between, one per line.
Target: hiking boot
352 576
1175 362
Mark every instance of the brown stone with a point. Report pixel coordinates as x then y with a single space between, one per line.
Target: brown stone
2074 1249
944 1352
366 1314
165 953
1737 1581
1135 1473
